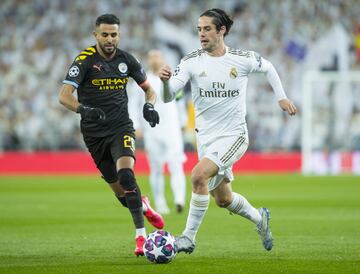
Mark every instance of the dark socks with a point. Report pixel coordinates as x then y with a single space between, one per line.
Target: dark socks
132 196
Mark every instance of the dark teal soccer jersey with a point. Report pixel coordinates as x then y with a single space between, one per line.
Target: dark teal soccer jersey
102 84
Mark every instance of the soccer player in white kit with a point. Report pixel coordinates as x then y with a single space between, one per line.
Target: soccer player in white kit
218 76
164 143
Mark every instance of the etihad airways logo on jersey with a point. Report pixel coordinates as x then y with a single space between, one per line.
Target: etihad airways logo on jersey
110 83
218 91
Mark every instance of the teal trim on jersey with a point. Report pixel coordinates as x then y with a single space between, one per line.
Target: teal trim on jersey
76 85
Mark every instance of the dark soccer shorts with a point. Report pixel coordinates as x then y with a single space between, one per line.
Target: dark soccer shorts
107 150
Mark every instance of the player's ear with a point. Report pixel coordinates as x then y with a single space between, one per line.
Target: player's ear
95 33
222 30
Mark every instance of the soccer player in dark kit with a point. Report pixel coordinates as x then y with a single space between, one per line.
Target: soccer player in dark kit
100 74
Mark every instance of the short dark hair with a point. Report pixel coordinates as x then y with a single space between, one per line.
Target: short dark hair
110 19
219 18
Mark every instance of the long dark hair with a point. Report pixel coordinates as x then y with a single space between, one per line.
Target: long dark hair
219 18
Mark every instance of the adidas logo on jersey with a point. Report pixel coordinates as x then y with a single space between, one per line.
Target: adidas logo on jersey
203 74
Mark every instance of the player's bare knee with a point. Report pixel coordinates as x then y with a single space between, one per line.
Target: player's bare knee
198 178
222 201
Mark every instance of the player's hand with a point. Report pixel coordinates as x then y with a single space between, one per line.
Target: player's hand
165 73
150 114
287 105
92 114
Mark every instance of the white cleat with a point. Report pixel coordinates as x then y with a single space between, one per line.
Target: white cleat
263 229
184 244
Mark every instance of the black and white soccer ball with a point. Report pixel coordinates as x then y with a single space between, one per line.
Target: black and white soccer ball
160 247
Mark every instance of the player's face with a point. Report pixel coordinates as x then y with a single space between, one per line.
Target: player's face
107 37
210 38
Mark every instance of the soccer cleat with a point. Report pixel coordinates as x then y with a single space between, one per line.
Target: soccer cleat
151 215
139 249
184 244
263 229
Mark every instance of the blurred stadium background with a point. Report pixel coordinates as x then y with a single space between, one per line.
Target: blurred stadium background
72 224
39 39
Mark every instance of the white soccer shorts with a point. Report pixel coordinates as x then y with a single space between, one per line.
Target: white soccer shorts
224 151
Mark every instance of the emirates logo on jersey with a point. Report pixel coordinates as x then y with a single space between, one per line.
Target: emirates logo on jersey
233 73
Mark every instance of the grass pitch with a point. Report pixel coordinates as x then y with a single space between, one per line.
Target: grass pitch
75 225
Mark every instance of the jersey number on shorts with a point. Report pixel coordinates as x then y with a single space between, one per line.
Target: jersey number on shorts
129 142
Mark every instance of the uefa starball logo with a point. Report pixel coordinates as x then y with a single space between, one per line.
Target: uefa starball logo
176 72
74 71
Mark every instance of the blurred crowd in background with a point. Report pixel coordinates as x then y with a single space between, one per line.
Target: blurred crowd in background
40 38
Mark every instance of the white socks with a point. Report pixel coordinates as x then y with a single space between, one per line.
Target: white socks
242 207
200 203
198 206
140 232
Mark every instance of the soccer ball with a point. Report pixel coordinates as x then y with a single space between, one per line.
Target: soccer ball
160 247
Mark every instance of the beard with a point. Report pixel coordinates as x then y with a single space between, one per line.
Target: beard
208 47
108 50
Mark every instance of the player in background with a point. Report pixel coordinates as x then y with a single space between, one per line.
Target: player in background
163 144
218 76
100 74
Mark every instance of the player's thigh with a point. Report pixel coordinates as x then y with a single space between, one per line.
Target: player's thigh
108 170
155 153
203 171
122 149
174 145
226 151
175 155
100 152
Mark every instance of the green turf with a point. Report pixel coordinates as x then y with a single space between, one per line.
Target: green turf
75 225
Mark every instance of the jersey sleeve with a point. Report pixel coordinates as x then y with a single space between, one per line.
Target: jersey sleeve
137 72
260 64
182 72
76 73
178 80
255 62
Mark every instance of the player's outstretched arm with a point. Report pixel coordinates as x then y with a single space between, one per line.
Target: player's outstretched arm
165 75
67 99
149 112
173 82
150 94
275 82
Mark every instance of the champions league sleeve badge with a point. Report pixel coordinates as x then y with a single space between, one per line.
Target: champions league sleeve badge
74 71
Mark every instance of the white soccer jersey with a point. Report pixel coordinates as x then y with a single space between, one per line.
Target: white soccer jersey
168 132
218 86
